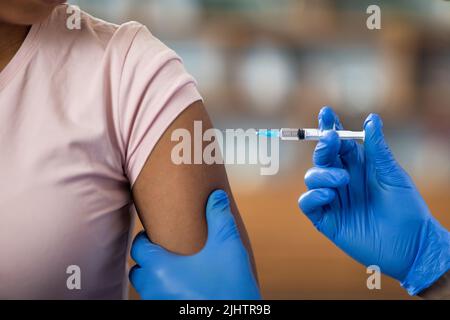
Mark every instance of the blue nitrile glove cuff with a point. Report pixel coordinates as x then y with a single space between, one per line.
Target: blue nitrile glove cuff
432 261
221 270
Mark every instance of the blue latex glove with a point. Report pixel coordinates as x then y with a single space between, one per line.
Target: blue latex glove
363 201
221 270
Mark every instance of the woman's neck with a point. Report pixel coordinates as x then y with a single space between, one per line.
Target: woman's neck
11 38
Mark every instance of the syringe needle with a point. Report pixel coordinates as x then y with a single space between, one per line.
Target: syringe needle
308 134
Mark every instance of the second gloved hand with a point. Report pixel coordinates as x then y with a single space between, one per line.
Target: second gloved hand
221 270
363 201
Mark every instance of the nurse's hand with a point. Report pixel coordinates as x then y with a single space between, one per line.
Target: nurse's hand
221 270
363 201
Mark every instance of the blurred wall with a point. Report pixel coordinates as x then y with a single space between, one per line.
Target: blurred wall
274 63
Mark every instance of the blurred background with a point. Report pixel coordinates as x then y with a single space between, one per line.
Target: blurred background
275 63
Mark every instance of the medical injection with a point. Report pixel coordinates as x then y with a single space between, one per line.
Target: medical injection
308 134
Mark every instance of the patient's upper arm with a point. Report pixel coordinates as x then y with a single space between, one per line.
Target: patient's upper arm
171 199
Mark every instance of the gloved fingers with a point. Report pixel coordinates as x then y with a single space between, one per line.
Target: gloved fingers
147 284
327 149
326 122
135 277
317 177
348 149
221 223
374 143
326 118
143 251
379 155
313 201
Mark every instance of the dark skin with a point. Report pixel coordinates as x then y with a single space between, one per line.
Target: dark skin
11 38
180 191
16 18
182 227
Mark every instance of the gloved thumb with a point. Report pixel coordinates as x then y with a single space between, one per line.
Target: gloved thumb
379 156
143 251
221 223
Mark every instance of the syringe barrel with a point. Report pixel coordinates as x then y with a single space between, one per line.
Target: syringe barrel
316 134
289 134
351 135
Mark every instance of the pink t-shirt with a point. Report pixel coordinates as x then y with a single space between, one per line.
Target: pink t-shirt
80 111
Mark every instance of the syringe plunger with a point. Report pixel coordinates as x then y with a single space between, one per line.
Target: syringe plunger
316 134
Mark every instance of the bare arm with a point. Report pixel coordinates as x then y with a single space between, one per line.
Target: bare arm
171 199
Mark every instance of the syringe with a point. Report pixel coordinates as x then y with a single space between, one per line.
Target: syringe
307 134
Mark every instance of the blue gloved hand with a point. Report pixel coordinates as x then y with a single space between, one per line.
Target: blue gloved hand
363 201
221 270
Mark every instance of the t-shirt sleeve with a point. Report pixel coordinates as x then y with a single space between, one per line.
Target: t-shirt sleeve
154 89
